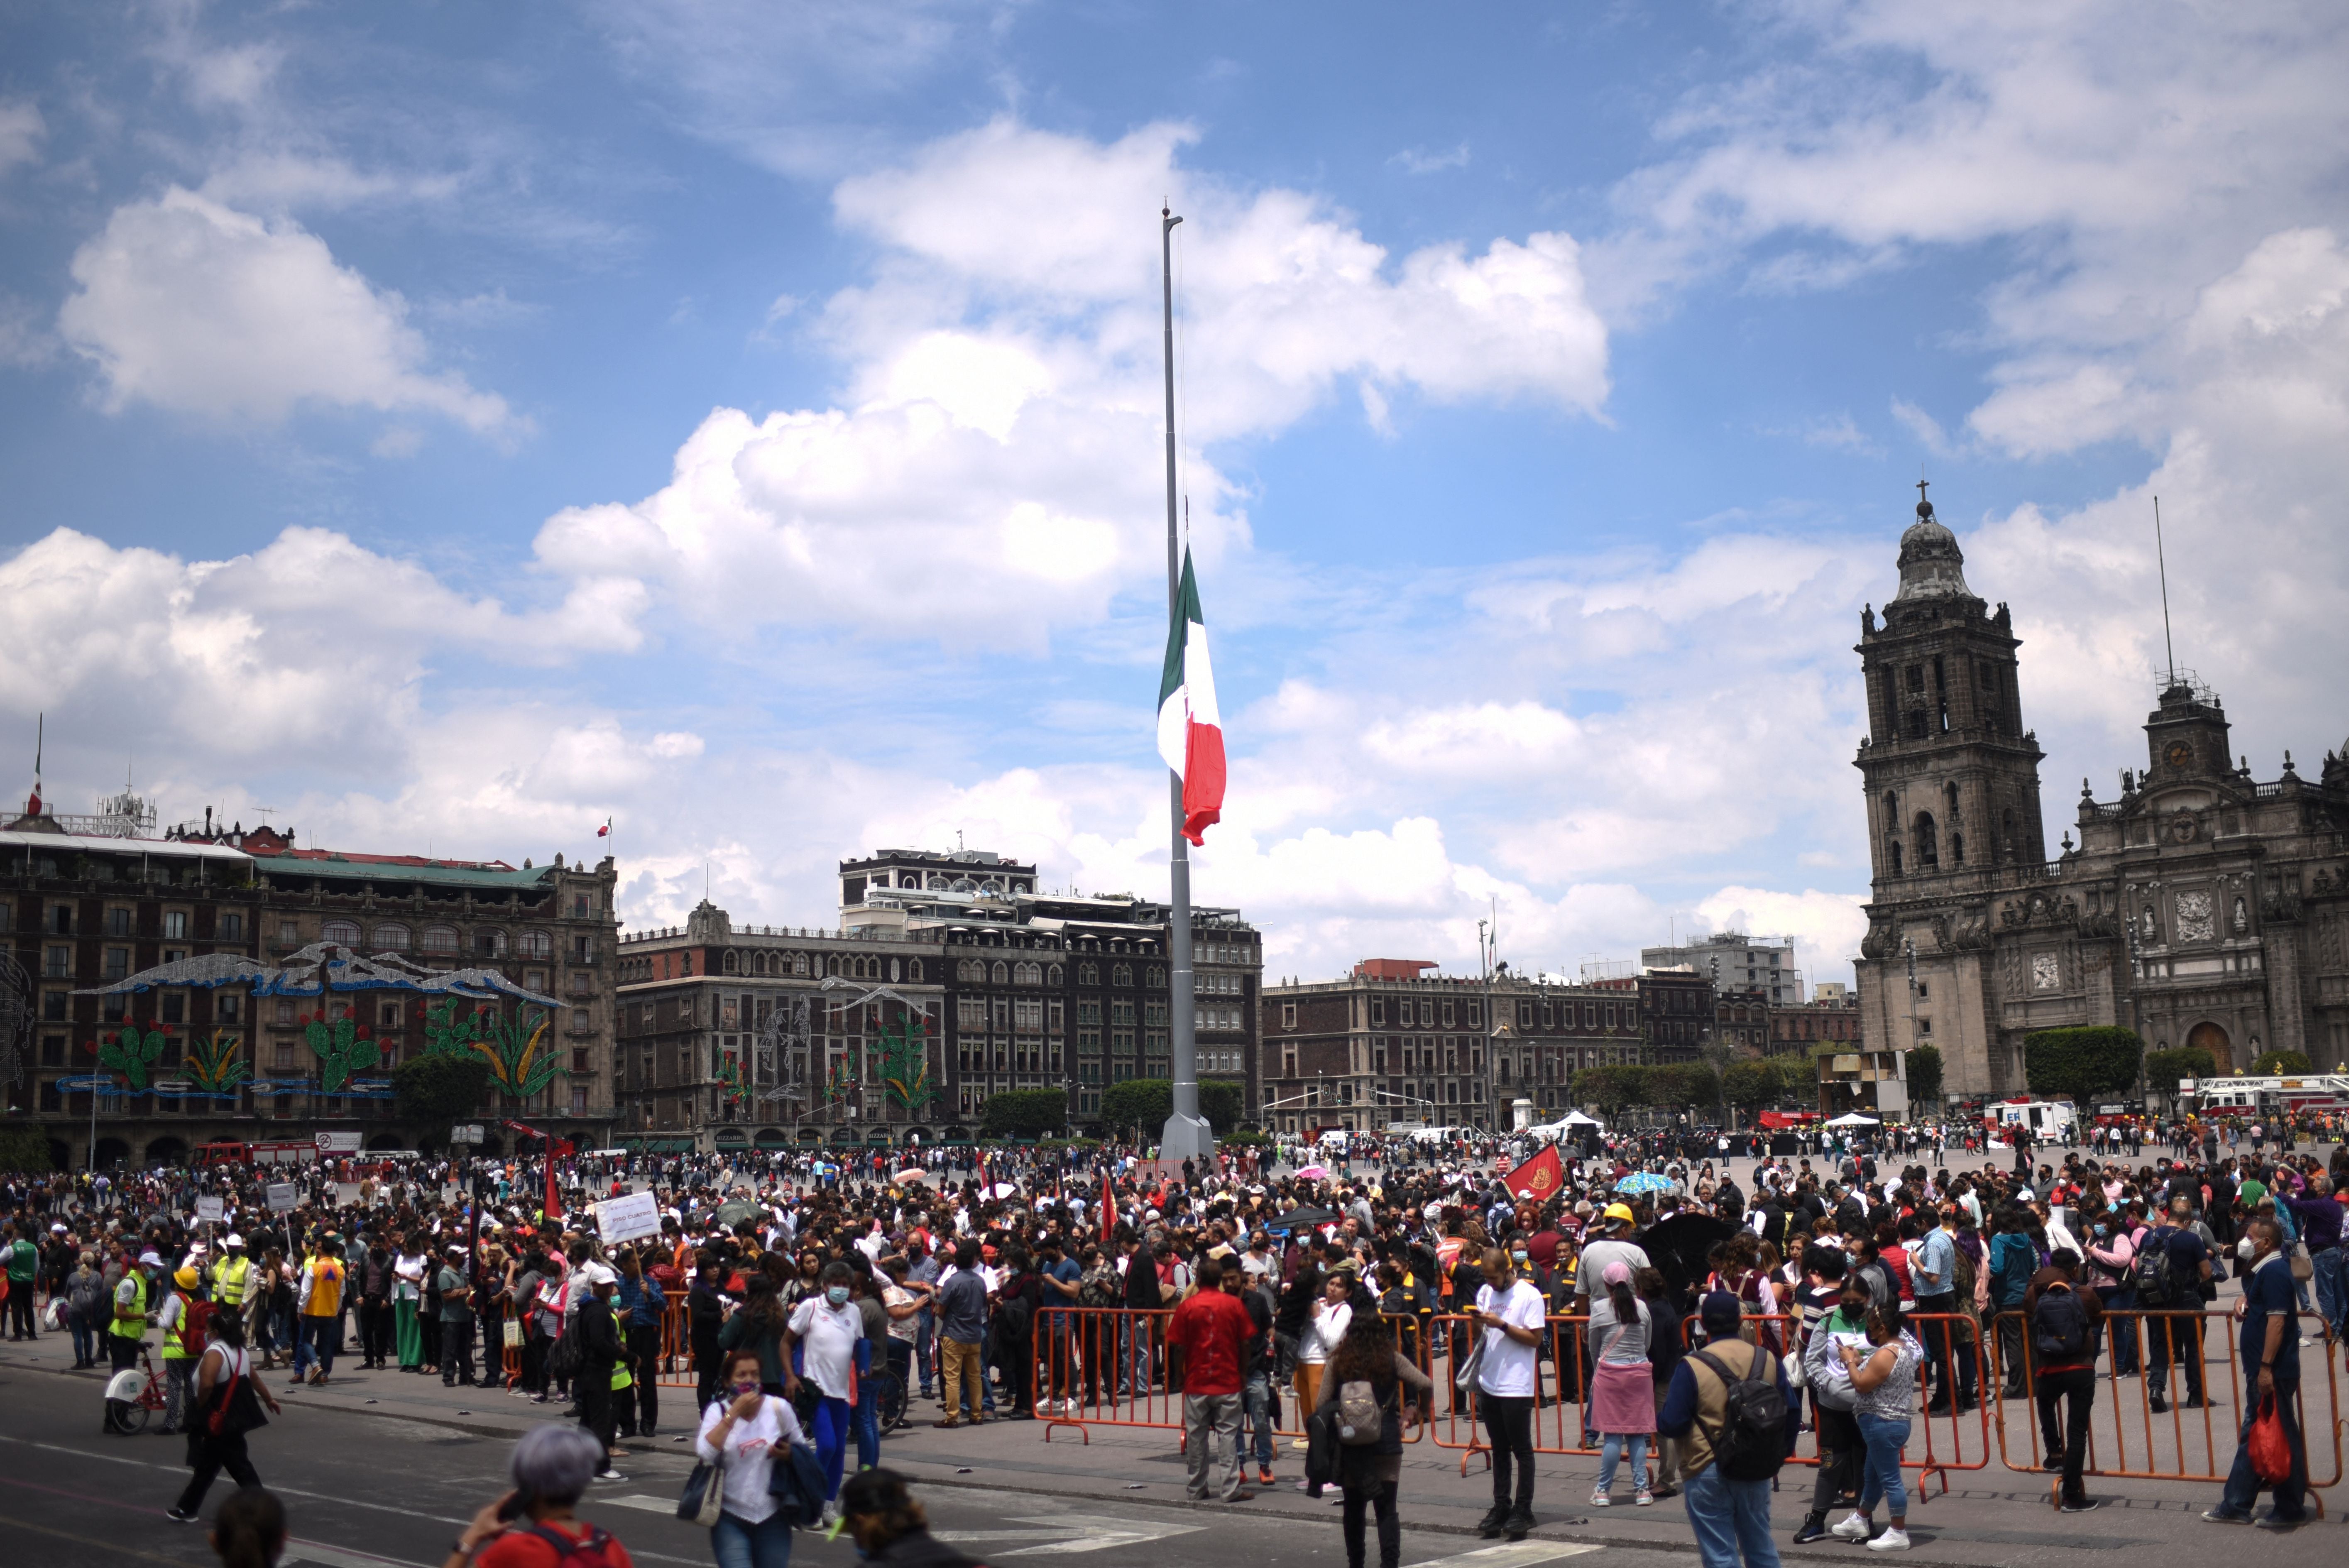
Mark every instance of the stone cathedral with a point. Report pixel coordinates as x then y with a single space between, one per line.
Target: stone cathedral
2201 907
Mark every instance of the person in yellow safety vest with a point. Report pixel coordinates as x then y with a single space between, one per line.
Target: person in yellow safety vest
128 1332
179 1361
231 1274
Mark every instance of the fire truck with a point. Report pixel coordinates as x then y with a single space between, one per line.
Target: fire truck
2265 1096
290 1153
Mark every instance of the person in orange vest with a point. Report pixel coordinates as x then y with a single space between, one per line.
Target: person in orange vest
321 1307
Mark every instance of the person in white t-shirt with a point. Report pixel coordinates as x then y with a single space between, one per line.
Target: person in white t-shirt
827 1327
752 1433
1511 1316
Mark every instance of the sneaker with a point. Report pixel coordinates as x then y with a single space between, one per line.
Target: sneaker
1489 1527
2079 1505
1854 1527
1264 1475
2157 1405
2051 1463
1642 1497
831 1516
2269 1521
2194 1402
178 1515
1598 1498
1520 1525
608 1475
1890 1541
2222 1514
1812 1528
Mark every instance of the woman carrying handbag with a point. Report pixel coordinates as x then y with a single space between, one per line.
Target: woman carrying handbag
746 1432
227 1405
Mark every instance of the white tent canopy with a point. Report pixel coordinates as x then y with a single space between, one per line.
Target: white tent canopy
1855 1120
1576 1119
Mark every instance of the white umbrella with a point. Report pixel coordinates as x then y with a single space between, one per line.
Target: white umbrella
1002 1189
1855 1120
911 1173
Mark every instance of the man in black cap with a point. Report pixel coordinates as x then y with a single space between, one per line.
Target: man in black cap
1730 1516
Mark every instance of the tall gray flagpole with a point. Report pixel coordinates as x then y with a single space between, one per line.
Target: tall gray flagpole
1187 1135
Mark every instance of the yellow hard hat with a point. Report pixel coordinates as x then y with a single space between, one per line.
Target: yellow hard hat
1621 1211
185 1279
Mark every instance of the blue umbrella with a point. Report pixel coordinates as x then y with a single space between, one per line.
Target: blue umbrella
1645 1181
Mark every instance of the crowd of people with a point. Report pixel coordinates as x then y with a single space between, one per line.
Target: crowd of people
1863 1291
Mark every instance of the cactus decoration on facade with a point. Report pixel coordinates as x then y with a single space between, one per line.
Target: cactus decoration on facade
343 1049
132 1053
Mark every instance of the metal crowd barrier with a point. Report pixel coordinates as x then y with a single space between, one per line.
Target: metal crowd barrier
1940 1443
2139 1452
1109 1364
676 1368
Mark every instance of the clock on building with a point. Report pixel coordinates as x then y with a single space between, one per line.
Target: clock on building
2179 754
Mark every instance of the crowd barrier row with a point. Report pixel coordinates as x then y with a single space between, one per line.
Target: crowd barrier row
1107 1367
1111 1362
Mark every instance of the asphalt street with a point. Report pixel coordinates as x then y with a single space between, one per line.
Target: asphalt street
377 1491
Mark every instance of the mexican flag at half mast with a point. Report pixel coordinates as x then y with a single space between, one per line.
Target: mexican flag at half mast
1190 731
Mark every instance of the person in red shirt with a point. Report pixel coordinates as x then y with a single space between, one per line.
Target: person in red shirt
1206 1342
531 1526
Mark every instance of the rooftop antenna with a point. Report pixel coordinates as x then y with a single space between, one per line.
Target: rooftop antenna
2168 647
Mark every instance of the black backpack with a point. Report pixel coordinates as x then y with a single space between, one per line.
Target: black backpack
1751 1442
2149 1273
2059 1326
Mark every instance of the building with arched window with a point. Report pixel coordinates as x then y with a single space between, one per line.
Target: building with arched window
2201 906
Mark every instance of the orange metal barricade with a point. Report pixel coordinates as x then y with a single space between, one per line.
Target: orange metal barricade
1959 1439
2150 1445
1109 1364
676 1368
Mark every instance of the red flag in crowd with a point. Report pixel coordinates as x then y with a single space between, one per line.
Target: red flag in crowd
1539 1178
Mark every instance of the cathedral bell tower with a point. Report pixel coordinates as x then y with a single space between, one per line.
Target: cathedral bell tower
1951 775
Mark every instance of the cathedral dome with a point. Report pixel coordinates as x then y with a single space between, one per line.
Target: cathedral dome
1931 564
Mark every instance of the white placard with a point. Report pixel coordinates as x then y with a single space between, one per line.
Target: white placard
465 1133
211 1210
627 1219
282 1197
338 1143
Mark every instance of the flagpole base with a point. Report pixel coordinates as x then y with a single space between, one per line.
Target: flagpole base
1187 1137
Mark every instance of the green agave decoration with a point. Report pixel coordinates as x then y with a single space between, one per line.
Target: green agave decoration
217 1065
905 1064
521 1061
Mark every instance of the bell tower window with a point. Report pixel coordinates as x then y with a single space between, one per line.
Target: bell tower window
1929 857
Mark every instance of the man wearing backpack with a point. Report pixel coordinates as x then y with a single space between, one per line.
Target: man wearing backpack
2064 1321
1728 1402
2172 1271
2013 1261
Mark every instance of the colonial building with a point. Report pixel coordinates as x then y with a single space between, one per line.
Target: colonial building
1391 1043
1002 986
2201 907
80 909
1832 1018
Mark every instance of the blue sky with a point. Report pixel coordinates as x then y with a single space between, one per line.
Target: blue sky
458 425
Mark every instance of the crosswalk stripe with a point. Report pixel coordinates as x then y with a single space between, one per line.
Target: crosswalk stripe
1511 1554
327 1556
649 1504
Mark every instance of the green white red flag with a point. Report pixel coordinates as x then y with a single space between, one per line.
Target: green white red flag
1190 730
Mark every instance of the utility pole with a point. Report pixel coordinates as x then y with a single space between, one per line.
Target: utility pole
1187 1135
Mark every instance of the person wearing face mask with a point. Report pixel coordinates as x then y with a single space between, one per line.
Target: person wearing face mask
827 1328
602 1352
2270 1345
1844 1302
749 1429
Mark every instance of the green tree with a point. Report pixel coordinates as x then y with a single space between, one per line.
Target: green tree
1750 1086
24 1150
1223 1101
2087 1064
2277 1064
1681 1086
2164 1069
1924 1079
432 1092
1608 1089
1138 1105
1027 1112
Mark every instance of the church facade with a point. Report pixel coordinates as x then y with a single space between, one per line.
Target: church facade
2201 907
